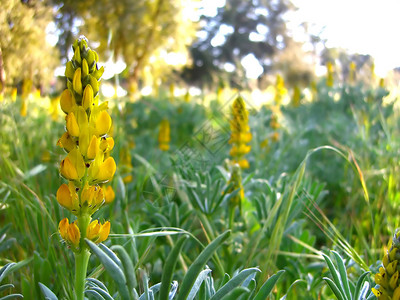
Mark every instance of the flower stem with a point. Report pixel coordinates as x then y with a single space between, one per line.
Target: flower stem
81 258
81 263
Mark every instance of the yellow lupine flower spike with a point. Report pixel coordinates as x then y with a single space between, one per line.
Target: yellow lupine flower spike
387 280
86 140
164 135
240 134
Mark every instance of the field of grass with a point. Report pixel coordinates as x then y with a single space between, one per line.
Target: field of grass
322 176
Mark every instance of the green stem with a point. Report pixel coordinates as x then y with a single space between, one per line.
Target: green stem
81 258
81 263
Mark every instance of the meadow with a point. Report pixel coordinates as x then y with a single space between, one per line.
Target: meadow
307 216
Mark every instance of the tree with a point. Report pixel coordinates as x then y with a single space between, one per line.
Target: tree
23 43
240 28
136 31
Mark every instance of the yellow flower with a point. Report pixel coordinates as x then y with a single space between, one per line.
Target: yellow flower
92 196
94 147
329 78
69 232
240 132
72 124
97 232
103 123
102 171
73 167
164 135
66 142
76 82
87 96
67 197
67 101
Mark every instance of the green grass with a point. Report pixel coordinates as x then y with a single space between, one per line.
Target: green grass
330 182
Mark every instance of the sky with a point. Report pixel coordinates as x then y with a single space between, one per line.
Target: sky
361 26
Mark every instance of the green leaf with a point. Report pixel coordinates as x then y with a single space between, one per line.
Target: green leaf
112 268
111 254
268 286
12 296
95 294
5 270
334 288
197 284
343 274
169 268
233 283
98 283
105 295
199 263
358 289
296 282
129 269
48 294
6 286
235 293
334 273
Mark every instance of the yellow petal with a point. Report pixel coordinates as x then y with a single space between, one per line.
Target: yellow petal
68 170
87 97
67 102
393 280
74 234
77 55
62 228
76 82
93 229
66 142
396 294
72 125
85 68
93 148
84 141
107 170
103 123
104 232
64 197
69 70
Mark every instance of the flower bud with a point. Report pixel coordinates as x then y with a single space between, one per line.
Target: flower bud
76 82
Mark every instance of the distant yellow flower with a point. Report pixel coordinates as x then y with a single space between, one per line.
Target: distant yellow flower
296 96
280 90
352 72
14 93
329 76
164 135
240 133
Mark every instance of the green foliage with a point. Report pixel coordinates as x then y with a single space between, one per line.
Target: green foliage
23 47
